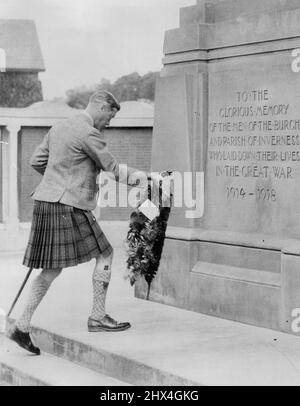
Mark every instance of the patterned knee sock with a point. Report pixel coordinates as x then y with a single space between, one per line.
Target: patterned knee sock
100 285
39 288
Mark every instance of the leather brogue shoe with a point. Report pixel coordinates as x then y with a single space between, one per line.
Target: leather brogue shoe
106 324
23 340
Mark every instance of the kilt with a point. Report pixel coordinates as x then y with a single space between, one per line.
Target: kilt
62 236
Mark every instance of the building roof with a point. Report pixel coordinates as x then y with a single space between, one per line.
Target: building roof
134 114
51 108
19 40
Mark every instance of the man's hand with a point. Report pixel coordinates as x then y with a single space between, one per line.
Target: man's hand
161 180
155 176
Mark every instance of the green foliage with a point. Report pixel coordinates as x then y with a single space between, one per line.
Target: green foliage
126 88
145 241
19 89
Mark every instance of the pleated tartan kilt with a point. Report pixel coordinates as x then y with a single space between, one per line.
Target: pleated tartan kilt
62 236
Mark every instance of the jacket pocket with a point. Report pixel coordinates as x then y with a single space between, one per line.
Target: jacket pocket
88 193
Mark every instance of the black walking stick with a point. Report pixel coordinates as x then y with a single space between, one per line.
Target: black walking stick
20 291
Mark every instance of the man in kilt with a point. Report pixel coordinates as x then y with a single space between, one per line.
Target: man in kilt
64 232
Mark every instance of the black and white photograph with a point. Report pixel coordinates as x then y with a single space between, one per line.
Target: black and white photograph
149 196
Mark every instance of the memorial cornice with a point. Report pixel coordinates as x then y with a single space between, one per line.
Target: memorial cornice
247 35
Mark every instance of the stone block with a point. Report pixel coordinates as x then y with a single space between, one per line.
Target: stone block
171 284
238 298
192 14
183 39
232 9
290 294
175 97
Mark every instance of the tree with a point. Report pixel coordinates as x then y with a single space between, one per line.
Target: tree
126 88
19 89
78 97
147 89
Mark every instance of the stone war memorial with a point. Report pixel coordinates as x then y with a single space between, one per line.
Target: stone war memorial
228 105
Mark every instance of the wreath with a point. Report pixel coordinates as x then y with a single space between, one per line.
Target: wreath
145 238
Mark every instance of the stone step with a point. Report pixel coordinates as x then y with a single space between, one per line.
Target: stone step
166 345
101 360
171 346
19 368
238 273
246 295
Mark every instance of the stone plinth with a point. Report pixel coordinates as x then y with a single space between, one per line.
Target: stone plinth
228 105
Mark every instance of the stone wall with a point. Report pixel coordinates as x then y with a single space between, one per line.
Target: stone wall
131 147
28 178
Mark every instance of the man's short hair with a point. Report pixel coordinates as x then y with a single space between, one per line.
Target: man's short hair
101 96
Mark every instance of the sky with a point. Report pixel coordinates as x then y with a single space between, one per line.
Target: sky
83 41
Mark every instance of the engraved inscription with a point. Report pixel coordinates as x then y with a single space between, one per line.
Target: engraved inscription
254 137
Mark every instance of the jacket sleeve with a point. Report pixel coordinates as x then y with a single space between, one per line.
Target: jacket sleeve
94 145
40 156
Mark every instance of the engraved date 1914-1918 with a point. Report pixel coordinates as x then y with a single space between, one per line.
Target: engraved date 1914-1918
260 193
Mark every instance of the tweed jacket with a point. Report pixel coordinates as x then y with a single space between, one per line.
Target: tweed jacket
70 158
